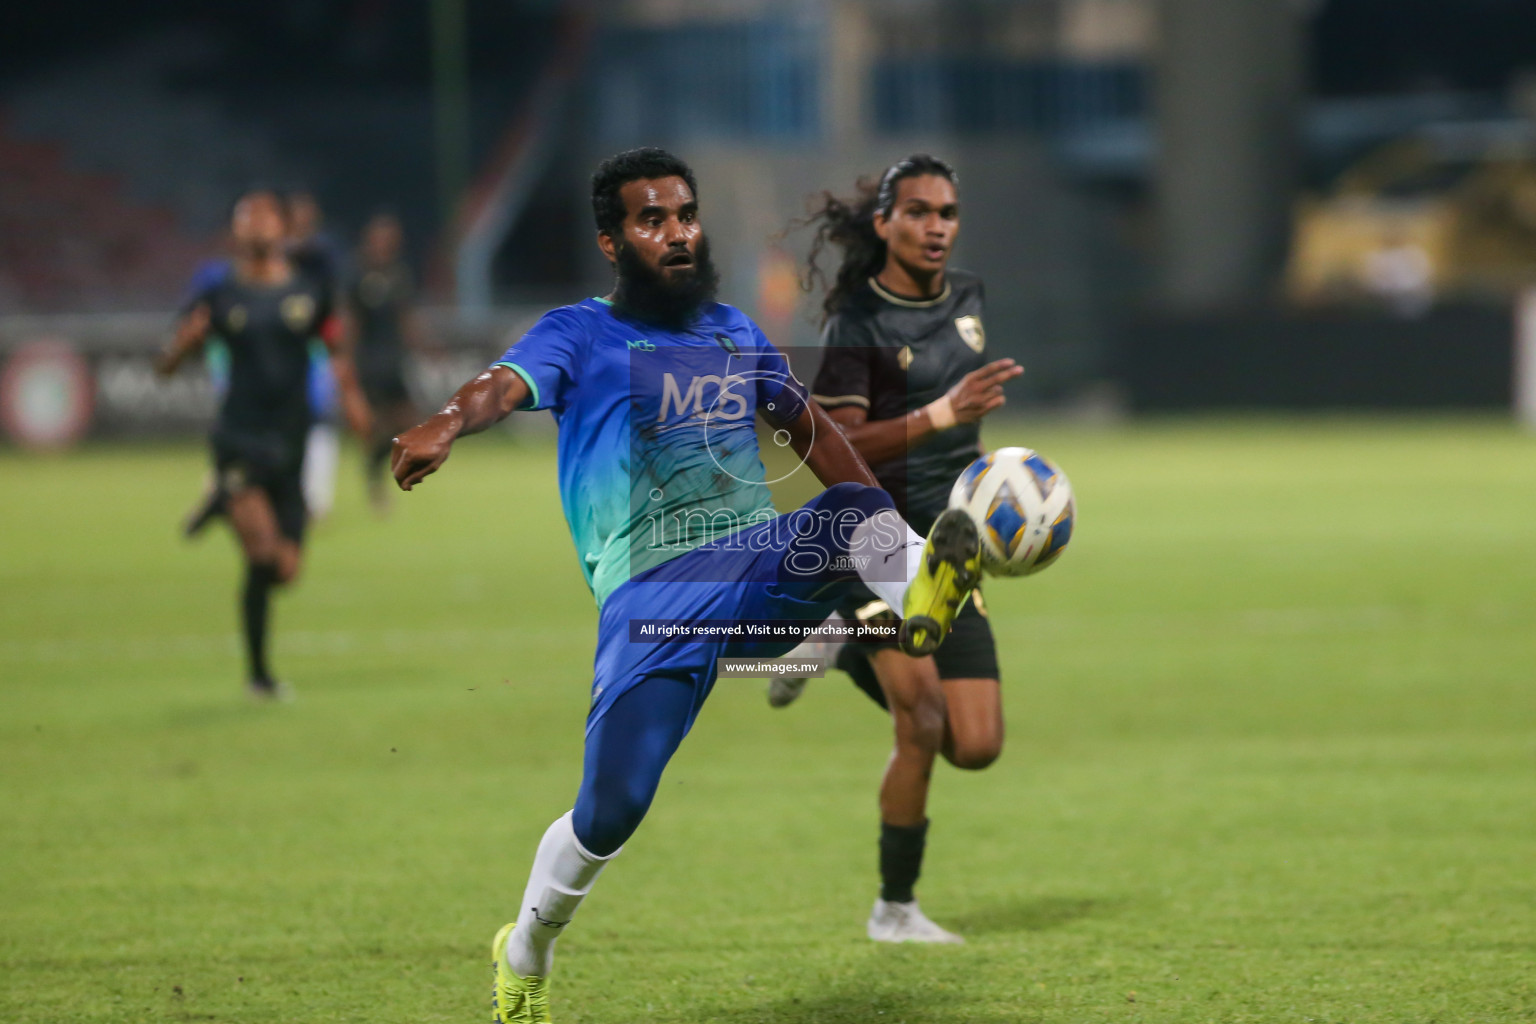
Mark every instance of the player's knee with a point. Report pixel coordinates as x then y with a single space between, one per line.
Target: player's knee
289 563
861 497
610 829
605 822
973 755
974 746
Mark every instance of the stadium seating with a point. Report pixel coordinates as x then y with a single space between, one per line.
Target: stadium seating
71 240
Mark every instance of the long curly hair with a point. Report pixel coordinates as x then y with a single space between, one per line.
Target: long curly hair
849 224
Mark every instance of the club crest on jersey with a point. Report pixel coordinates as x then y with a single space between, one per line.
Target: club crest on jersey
904 358
971 332
298 311
725 342
236 318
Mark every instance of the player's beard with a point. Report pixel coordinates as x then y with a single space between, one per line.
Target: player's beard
653 297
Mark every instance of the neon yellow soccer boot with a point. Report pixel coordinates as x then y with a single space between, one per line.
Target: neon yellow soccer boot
950 570
515 999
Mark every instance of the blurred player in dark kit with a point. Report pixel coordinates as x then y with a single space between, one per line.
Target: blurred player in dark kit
314 254
385 326
903 374
311 249
267 313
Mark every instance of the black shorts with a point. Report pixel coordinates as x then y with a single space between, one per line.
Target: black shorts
276 465
969 652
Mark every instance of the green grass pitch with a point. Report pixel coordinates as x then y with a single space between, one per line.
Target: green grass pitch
1271 757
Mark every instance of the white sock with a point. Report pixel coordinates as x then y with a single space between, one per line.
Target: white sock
322 454
563 873
894 552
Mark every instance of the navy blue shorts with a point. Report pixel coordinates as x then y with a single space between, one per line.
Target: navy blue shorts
788 568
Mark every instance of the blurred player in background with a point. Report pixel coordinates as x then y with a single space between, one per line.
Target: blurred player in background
267 313
663 488
311 248
385 325
314 254
903 374
319 256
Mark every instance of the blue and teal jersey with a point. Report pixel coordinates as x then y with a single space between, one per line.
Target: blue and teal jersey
657 436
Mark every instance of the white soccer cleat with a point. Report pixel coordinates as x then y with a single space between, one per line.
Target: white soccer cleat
785 690
906 922
269 691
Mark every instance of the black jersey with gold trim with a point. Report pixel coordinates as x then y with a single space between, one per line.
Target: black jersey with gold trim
267 329
892 355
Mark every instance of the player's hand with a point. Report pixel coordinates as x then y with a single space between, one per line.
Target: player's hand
420 451
360 419
981 391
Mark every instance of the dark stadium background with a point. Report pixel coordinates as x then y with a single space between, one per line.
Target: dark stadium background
1140 196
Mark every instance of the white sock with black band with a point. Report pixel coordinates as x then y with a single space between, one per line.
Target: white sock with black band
562 875
894 552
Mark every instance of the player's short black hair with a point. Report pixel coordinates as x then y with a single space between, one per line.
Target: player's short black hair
621 169
849 224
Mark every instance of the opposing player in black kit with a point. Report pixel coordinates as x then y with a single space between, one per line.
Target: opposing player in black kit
904 375
385 325
266 312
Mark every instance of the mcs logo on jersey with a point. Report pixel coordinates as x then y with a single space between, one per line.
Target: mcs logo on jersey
708 394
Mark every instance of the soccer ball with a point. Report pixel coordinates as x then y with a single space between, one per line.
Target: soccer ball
1023 507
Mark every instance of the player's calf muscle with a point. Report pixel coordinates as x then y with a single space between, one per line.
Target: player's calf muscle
919 724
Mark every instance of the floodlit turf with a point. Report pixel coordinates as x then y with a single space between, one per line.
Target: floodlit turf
1271 757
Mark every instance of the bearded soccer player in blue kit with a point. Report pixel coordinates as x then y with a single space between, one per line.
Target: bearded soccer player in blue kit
655 388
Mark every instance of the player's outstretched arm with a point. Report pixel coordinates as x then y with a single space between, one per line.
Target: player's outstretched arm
977 394
823 446
191 334
484 401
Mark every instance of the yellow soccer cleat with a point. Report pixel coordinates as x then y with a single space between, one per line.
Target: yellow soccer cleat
515 999
950 570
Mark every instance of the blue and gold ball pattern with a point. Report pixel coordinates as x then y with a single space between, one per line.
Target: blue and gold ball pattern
1023 506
